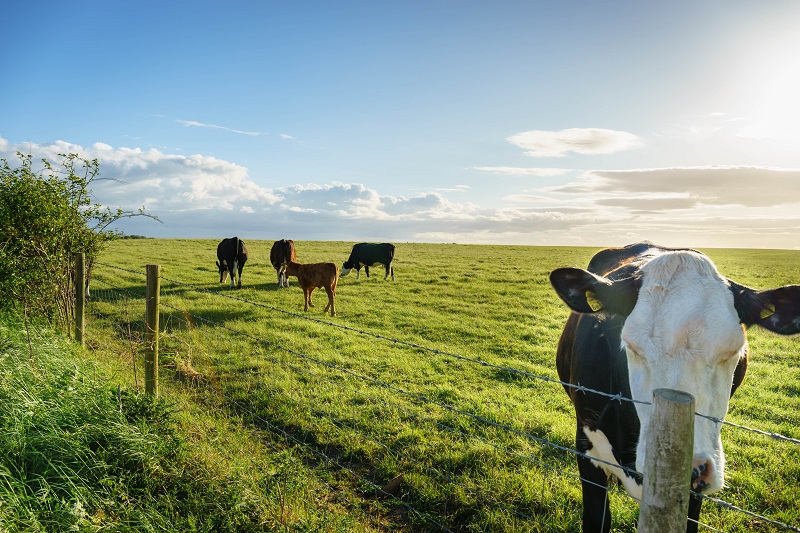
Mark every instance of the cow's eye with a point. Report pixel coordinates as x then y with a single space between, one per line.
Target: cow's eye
633 350
729 355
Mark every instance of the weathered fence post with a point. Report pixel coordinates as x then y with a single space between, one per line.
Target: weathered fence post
80 298
151 330
668 464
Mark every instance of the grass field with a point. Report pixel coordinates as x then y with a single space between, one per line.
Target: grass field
428 381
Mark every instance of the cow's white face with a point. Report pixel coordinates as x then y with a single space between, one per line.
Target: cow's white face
684 333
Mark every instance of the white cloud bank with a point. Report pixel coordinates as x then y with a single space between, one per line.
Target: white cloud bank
203 196
751 187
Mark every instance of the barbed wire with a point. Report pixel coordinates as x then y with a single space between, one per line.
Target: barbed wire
239 408
613 397
341 424
410 413
483 420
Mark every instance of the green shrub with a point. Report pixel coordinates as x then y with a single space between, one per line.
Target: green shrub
45 218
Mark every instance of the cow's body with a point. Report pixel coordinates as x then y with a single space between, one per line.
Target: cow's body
231 257
313 275
668 320
369 254
282 252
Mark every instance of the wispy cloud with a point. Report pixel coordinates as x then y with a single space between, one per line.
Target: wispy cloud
540 143
521 171
195 124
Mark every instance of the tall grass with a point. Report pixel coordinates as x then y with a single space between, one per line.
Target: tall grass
77 454
426 381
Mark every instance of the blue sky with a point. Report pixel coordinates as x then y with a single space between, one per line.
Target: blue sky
541 123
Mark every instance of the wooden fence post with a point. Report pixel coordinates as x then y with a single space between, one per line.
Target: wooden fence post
80 298
151 330
668 463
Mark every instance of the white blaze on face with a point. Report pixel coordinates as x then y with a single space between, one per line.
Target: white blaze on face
684 334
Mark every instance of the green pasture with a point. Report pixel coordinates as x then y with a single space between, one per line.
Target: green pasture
425 387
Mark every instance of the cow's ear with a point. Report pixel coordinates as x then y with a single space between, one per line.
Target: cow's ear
777 310
585 292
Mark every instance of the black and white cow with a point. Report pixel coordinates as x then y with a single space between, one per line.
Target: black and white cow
231 257
666 319
282 252
370 254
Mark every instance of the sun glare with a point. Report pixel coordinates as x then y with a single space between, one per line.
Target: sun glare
772 98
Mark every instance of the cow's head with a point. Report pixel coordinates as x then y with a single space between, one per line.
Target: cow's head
684 330
223 271
283 277
347 266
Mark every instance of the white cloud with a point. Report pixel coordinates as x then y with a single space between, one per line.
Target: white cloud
518 171
578 140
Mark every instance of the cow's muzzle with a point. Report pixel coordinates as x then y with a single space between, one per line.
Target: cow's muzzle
703 471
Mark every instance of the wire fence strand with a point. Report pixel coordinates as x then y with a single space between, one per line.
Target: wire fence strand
422 399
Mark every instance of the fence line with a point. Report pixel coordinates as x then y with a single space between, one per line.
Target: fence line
618 397
447 479
421 398
238 408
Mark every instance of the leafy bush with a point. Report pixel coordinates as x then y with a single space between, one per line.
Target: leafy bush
45 218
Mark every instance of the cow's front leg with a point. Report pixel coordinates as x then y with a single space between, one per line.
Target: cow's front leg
694 513
366 270
233 271
594 485
331 305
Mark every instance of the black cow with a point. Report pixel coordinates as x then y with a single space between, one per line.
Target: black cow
666 319
231 257
369 254
282 251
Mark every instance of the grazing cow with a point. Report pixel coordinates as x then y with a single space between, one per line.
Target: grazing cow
667 319
313 275
231 255
368 254
282 252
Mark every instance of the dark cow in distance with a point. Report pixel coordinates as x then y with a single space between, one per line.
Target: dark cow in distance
369 254
666 319
282 252
231 257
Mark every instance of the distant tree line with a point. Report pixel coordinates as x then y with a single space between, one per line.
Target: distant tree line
46 216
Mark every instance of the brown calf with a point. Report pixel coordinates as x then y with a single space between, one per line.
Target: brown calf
313 275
